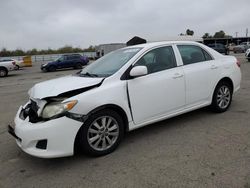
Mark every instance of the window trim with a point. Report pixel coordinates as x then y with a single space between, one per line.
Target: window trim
125 75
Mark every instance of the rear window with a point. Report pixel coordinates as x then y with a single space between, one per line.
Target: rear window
193 54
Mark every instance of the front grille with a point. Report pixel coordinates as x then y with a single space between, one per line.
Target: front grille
30 111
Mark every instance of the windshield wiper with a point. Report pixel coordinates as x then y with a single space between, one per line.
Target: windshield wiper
89 74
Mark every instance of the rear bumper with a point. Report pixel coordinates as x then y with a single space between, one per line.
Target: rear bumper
59 134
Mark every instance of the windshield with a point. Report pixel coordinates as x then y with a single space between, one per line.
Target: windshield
60 58
110 63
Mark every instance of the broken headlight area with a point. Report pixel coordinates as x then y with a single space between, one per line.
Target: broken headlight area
51 108
56 108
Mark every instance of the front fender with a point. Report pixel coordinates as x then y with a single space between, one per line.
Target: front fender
114 93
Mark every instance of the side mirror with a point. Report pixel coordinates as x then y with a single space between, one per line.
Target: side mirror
138 71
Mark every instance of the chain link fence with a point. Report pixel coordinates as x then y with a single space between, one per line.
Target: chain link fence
50 57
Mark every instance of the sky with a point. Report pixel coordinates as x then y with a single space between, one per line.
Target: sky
43 24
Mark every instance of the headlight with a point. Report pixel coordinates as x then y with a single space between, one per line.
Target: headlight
56 108
44 65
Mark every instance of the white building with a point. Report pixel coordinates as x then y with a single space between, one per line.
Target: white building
103 49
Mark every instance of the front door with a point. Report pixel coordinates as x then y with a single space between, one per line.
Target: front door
161 91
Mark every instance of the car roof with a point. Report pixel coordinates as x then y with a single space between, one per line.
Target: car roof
155 44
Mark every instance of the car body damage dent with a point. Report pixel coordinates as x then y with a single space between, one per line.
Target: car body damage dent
72 93
64 87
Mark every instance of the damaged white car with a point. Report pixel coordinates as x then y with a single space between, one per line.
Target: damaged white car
124 90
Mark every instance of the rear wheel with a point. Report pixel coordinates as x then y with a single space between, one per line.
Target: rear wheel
222 97
101 133
78 66
17 67
3 72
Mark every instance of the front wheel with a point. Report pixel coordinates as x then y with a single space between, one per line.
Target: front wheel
3 72
101 133
52 68
222 97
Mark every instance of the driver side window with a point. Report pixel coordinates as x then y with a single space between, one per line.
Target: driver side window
158 59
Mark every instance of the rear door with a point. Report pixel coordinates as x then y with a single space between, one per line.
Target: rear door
161 91
69 61
201 73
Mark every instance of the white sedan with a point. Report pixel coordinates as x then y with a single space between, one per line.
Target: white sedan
18 63
122 91
6 66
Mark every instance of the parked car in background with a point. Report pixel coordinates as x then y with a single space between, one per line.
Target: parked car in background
122 91
231 46
6 66
66 61
221 48
240 49
245 43
19 63
248 54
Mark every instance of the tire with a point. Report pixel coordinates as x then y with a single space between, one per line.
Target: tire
248 60
222 97
52 69
3 72
17 67
94 139
78 66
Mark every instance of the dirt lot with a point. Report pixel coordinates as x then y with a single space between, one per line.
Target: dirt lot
198 149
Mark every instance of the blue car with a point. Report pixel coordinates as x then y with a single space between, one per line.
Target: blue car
66 61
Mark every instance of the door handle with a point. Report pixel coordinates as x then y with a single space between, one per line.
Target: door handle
177 75
214 67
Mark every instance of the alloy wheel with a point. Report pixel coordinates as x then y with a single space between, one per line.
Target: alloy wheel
223 97
103 133
2 73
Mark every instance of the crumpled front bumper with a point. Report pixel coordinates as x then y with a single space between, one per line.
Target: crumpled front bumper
59 135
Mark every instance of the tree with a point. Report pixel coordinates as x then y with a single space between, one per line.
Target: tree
89 49
206 35
66 49
4 52
189 32
219 34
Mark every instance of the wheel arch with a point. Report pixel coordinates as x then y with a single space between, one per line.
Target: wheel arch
113 107
2 67
228 80
224 79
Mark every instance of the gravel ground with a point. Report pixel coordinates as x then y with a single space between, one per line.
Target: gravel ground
197 149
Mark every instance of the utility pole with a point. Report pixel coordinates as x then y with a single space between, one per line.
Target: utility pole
247 32
236 34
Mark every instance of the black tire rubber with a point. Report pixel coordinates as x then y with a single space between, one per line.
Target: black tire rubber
214 106
51 69
78 66
82 141
248 60
17 67
5 71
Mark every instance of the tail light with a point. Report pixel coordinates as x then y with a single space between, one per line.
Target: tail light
238 63
13 63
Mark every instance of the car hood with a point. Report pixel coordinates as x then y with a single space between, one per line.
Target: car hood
50 63
55 87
